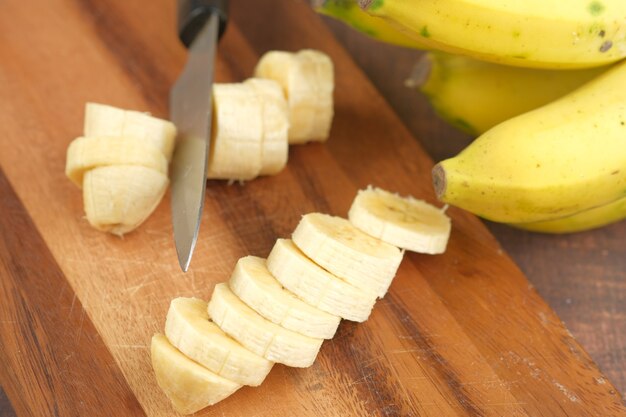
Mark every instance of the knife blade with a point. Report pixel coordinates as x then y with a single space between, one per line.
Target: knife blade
201 22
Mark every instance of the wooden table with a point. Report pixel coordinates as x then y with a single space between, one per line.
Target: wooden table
582 276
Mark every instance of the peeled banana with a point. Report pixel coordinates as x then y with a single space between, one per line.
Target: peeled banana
189 386
530 33
307 80
345 251
121 165
558 160
474 95
255 286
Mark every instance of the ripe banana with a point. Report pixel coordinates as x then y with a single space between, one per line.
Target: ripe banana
475 95
261 336
345 251
315 285
255 286
307 80
584 220
121 165
349 12
558 160
404 222
190 330
530 33
189 386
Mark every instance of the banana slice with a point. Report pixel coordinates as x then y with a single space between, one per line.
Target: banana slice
261 336
190 330
337 246
408 223
307 80
189 386
118 198
86 153
102 121
237 132
317 286
255 286
274 148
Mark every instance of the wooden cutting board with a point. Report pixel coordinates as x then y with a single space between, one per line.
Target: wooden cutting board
461 334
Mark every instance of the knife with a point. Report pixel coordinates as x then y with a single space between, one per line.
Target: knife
200 24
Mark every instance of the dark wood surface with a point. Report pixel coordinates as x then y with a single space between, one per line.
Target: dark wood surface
321 178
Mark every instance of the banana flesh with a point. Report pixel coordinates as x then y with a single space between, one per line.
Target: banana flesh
316 286
407 223
121 165
190 330
189 386
255 286
555 161
549 34
345 251
261 336
307 80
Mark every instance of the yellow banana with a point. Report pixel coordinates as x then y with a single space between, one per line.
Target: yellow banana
529 33
558 160
475 95
349 12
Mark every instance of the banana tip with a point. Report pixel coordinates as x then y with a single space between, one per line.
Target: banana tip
439 180
364 4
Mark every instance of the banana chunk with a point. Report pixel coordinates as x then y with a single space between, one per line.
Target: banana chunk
318 287
337 246
119 198
189 386
307 79
108 121
261 336
407 223
275 145
190 330
255 286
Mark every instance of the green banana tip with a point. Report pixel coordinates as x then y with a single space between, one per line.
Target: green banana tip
439 181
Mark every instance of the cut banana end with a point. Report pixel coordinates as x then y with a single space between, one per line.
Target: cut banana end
190 330
108 121
237 133
336 245
261 336
274 147
118 198
318 287
86 153
307 80
255 286
189 386
404 222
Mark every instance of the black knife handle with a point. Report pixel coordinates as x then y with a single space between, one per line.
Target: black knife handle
193 14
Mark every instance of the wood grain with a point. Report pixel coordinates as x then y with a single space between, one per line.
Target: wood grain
461 334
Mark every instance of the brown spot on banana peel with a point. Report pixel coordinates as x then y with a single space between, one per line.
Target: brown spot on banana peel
439 181
606 46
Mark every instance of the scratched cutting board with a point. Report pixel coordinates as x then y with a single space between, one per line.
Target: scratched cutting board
461 334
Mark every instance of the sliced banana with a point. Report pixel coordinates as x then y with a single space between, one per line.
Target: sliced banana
119 198
255 286
307 80
318 287
336 245
102 120
261 336
86 153
237 132
190 330
405 222
189 386
275 146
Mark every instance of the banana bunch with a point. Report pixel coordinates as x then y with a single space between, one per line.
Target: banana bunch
121 165
281 309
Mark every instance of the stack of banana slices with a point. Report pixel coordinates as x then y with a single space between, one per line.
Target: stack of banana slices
281 309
